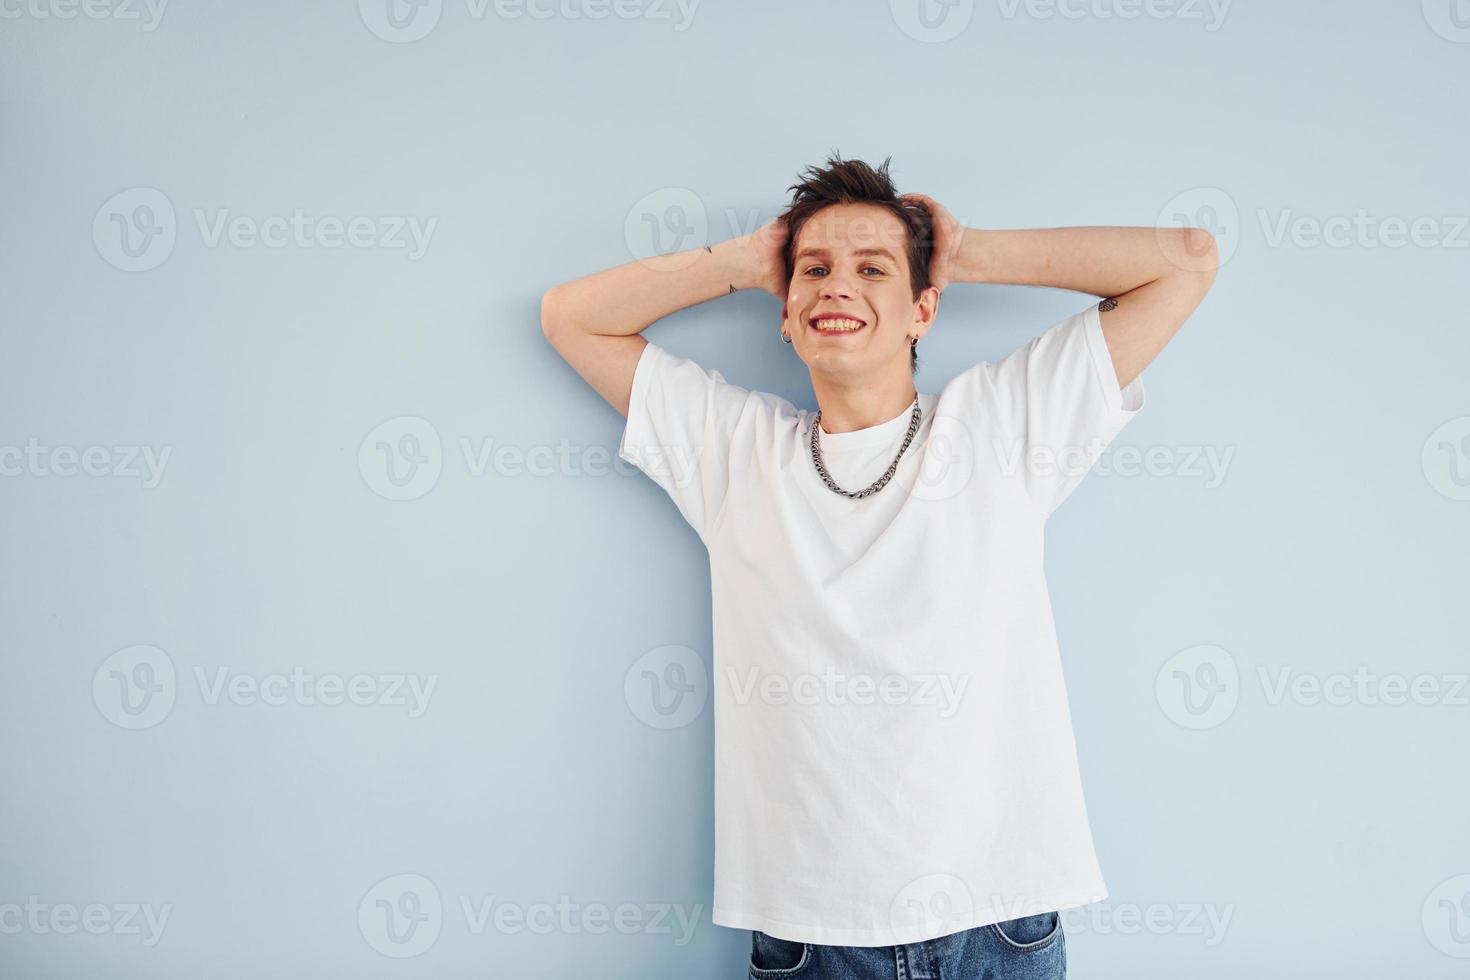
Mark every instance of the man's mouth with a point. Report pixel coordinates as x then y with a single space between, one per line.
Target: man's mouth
828 324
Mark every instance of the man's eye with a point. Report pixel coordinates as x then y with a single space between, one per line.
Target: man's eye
874 268
814 269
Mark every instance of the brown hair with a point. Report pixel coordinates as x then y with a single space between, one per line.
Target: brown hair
855 182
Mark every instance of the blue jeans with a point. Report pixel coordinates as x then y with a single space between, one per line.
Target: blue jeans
1028 948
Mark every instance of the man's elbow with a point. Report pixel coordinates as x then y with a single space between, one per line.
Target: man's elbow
552 319
1194 255
1204 251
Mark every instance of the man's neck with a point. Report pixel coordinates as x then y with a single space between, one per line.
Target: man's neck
847 408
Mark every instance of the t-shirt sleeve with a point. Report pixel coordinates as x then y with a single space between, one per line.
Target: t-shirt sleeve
681 425
1059 405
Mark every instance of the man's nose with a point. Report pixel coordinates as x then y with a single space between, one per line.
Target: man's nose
836 286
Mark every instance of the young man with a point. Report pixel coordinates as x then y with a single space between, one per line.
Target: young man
896 791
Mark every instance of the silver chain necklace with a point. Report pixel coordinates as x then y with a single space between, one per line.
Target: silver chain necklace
882 481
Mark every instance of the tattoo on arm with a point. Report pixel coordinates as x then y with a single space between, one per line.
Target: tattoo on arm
732 285
1107 304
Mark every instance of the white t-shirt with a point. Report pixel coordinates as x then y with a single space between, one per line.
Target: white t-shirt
894 757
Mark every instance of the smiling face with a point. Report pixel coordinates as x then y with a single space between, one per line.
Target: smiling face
850 307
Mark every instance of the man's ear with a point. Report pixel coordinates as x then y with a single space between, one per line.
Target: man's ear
928 309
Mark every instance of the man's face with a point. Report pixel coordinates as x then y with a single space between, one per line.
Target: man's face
851 260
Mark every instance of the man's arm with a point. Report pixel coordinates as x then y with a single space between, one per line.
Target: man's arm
595 322
1157 276
1152 278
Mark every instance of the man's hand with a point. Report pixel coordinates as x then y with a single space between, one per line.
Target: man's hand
947 234
761 253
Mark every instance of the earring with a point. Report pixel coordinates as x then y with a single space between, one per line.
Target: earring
786 336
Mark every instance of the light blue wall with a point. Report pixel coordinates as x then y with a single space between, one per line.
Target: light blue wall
1330 535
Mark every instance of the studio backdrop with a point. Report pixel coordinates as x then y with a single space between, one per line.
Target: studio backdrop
337 641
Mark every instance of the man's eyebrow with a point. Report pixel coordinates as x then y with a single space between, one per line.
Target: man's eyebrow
824 253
